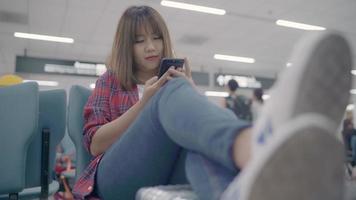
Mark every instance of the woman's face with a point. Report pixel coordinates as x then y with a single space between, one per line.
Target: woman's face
148 48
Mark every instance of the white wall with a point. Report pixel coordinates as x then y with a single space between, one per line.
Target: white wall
64 81
7 63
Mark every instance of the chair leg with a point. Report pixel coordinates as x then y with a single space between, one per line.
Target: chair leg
45 163
13 196
348 168
67 193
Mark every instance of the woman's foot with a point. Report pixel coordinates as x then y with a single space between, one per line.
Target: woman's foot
318 82
295 154
242 148
305 162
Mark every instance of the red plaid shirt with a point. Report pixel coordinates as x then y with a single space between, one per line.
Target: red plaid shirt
107 102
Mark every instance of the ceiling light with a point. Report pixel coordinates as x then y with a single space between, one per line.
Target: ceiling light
234 58
192 7
92 85
244 81
353 72
299 25
43 37
353 91
265 96
216 94
289 64
350 107
43 83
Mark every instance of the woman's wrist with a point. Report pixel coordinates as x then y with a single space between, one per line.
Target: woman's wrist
141 103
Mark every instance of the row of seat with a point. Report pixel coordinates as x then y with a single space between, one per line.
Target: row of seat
32 124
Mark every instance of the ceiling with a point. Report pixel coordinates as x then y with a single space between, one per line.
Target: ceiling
248 29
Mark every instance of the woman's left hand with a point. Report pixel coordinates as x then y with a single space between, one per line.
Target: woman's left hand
183 72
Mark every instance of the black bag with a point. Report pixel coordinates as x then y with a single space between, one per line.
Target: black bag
241 106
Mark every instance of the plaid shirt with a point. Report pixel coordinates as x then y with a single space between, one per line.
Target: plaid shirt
107 102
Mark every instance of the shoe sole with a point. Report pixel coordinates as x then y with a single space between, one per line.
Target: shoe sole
306 162
326 81
318 82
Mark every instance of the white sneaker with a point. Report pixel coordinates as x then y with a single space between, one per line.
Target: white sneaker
305 162
318 82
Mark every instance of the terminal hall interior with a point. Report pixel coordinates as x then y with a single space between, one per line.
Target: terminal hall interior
59 44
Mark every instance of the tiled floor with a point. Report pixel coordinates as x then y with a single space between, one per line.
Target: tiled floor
350 190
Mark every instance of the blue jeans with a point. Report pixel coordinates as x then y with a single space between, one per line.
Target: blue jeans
353 148
175 117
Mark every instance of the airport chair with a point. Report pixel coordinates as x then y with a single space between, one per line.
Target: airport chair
40 160
18 122
40 178
65 159
78 96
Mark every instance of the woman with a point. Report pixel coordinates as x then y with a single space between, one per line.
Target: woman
135 124
132 147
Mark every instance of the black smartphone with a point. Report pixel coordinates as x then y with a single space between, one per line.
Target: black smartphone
166 63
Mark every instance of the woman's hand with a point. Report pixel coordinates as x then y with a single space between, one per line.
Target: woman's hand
154 84
182 72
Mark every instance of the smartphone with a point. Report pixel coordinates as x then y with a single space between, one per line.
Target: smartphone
166 63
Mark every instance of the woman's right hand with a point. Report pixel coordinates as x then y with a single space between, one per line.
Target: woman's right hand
152 85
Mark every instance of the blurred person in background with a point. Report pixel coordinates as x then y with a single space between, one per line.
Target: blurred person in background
256 103
349 137
237 103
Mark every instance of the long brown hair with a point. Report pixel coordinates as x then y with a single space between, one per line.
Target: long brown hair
121 59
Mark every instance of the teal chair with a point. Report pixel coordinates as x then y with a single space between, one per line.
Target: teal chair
41 158
78 96
18 122
67 157
40 178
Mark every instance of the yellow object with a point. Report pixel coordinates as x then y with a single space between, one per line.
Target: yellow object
10 79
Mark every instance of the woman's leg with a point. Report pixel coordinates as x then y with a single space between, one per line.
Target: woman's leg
195 123
178 175
353 148
210 179
207 178
144 155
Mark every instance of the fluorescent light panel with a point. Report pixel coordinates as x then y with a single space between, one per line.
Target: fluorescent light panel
350 107
43 37
265 96
216 94
297 25
187 6
225 94
234 58
353 72
43 83
353 91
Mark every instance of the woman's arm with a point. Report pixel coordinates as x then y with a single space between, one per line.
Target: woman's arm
108 133
223 103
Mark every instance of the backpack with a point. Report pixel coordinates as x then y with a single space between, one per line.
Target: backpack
240 105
